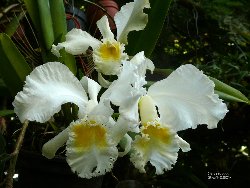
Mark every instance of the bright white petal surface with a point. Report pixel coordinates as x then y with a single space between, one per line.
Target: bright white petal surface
157 145
77 42
91 87
186 98
90 149
50 148
131 18
103 26
143 63
46 89
125 92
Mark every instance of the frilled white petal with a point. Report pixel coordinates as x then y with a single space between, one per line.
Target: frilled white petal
50 148
90 149
186 98
103 26
130 18
157 145
124 93
143 63
46 89
77 42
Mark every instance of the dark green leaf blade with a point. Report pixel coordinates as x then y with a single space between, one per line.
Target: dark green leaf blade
14 68
229 93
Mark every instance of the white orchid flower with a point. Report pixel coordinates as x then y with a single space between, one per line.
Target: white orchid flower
157 143
184 100
91 140
108 53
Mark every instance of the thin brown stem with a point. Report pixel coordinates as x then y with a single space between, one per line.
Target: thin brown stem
12 166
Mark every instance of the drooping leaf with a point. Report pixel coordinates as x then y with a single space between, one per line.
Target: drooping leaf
6 112
146 39
13 67
229 93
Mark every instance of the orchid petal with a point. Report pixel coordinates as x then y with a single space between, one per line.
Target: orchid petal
157 145
130 18
91 86
126 144
143 63
90 149
77 42
46 89
103 26
103 82
50 148
124 93
186 98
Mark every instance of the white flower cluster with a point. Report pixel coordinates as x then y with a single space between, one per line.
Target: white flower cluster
183 100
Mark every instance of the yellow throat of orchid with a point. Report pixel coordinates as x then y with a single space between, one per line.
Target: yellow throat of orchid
150 122
110 50
88 134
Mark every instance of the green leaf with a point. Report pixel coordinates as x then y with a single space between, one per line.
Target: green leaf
146 39
14 24
58 16
46 22
49 19
13 67
6 112
228 93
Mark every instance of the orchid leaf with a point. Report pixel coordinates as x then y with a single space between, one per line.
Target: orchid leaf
6 112
14 68
49 19
146 39
14 24
58 17
229 93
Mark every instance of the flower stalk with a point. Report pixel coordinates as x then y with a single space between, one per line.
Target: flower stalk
12 166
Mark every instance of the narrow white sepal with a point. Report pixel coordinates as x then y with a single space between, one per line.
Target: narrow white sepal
103 26
125 144
50 148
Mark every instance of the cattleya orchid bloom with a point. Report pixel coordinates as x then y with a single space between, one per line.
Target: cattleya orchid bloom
184 99
90 141
108 53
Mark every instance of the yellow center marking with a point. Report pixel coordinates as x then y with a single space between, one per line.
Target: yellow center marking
87 135
156 133
110 51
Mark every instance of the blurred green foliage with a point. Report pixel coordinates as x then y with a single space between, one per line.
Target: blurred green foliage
212 34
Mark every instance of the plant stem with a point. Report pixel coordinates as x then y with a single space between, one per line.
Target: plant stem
12 166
